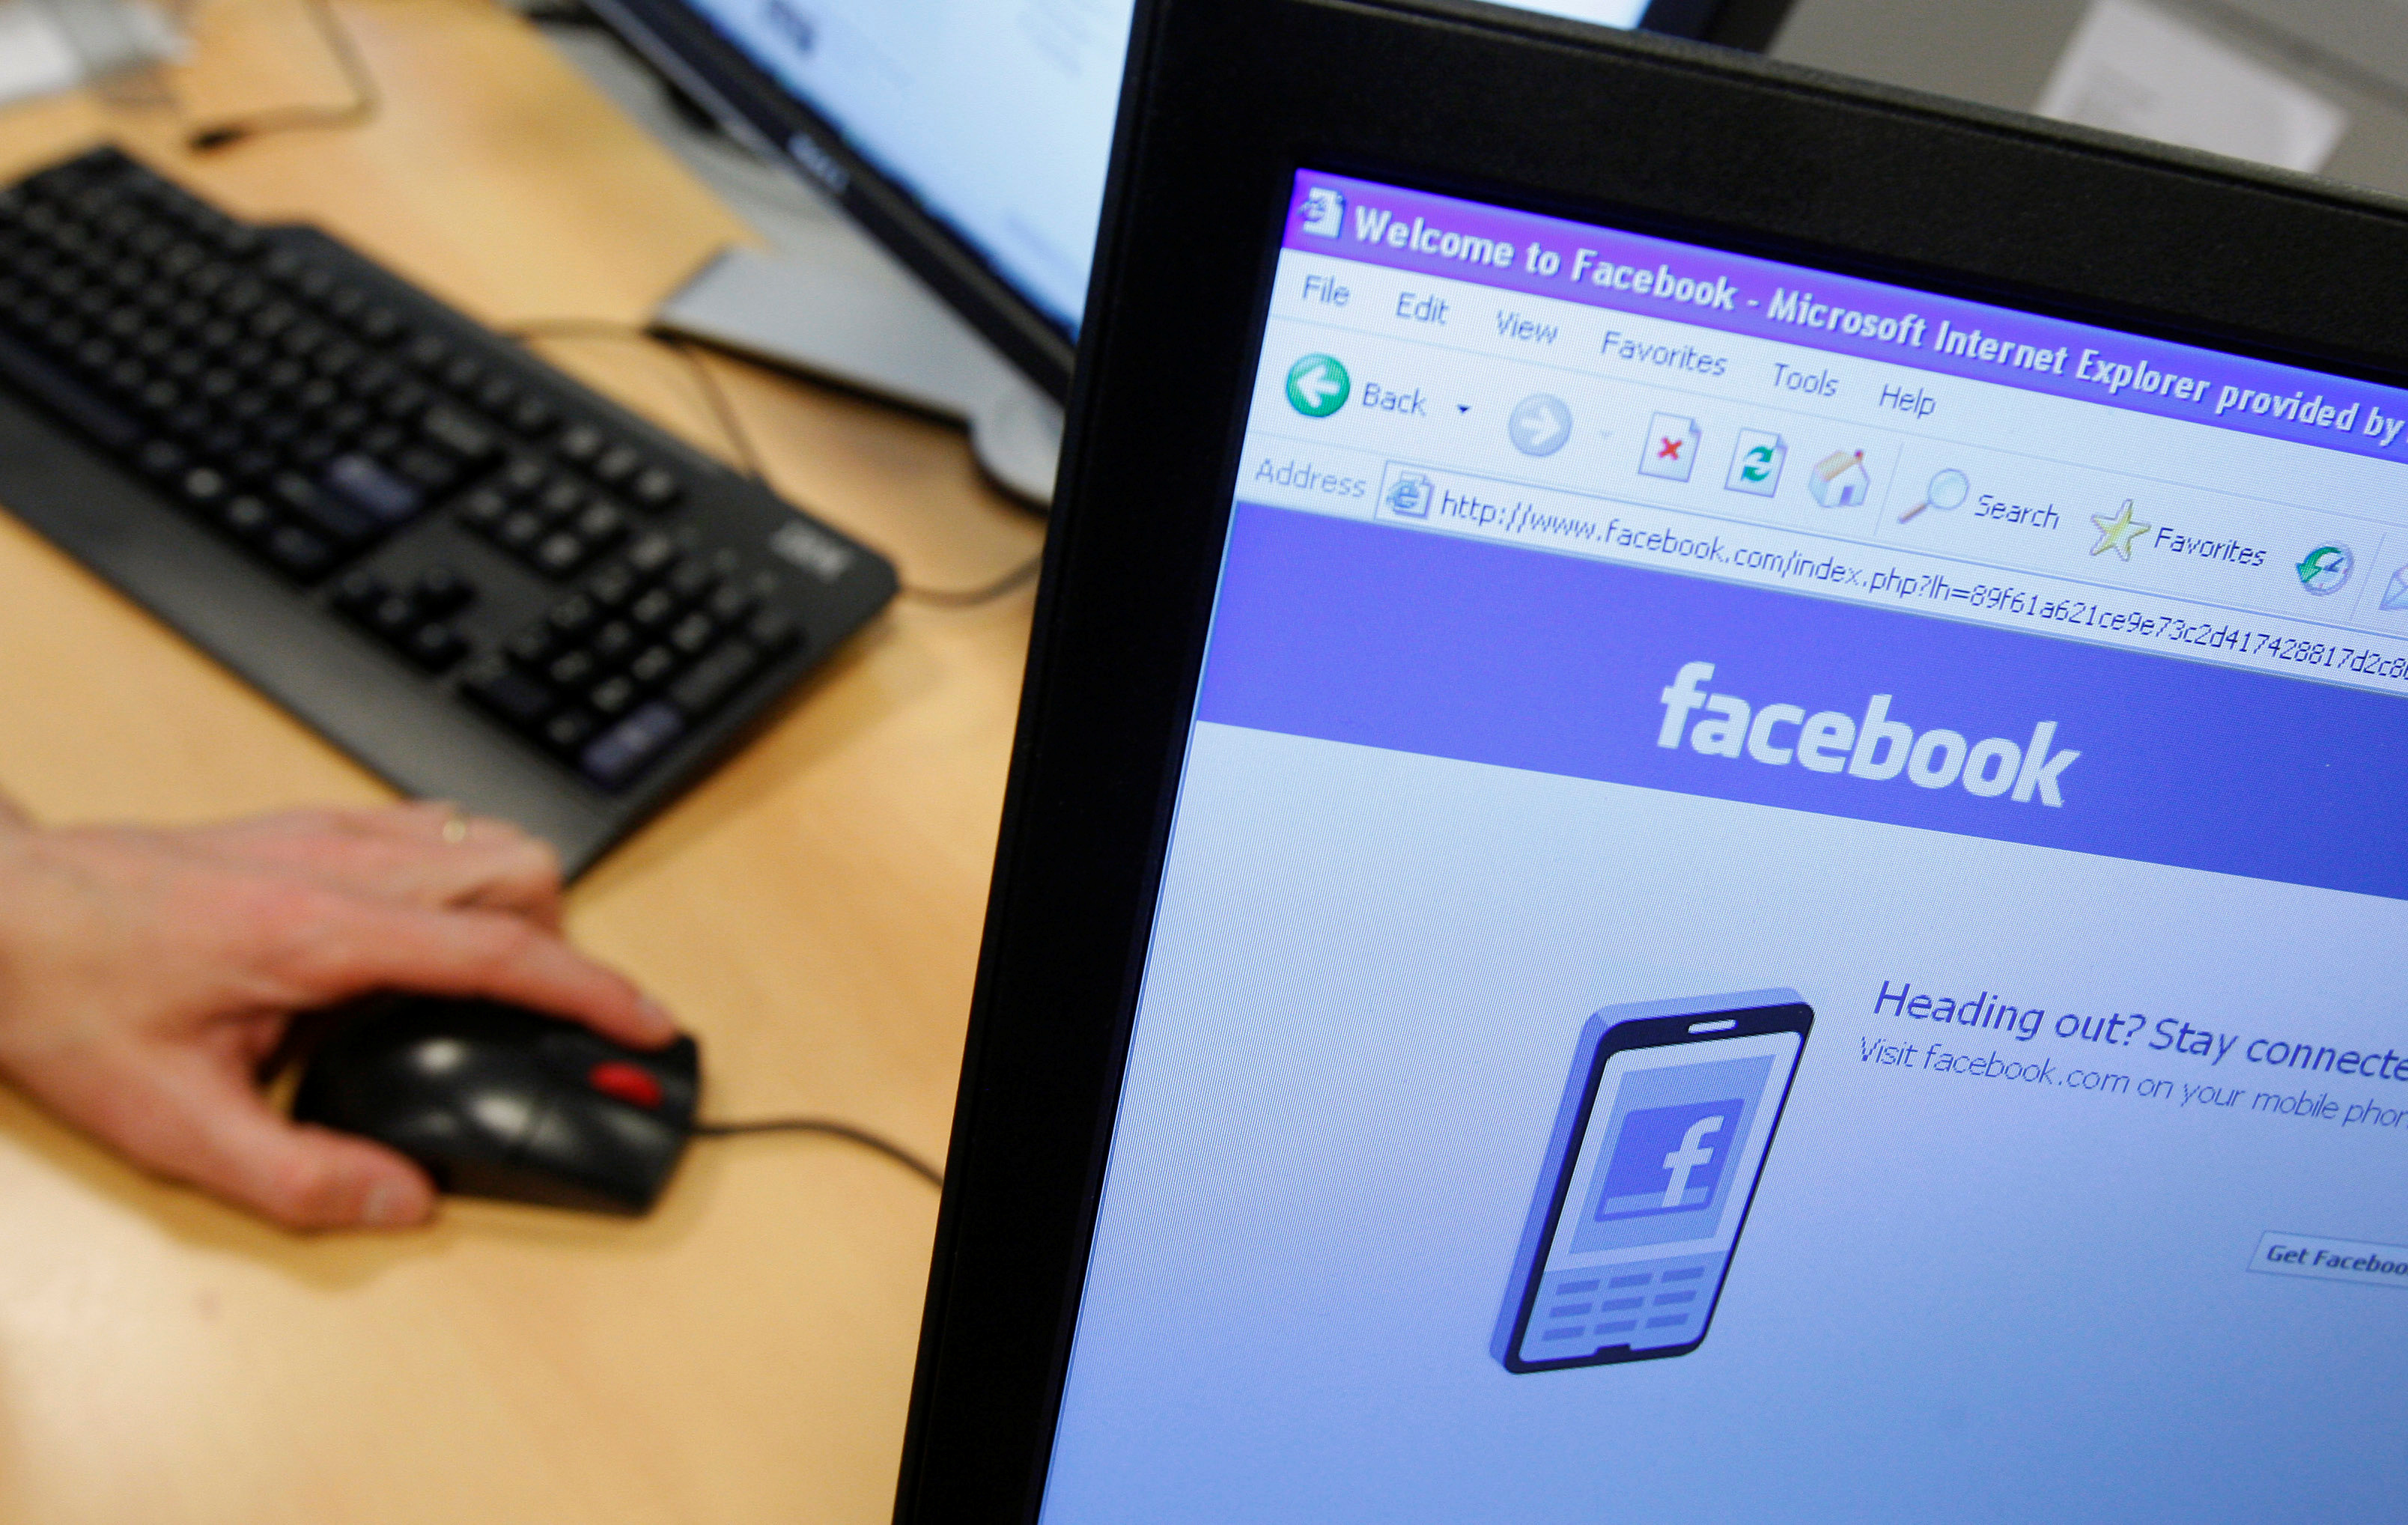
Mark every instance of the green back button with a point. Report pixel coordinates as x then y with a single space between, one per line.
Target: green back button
1317 386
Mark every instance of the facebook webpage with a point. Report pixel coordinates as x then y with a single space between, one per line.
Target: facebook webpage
1782 907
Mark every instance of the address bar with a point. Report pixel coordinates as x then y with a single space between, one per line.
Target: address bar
1637 535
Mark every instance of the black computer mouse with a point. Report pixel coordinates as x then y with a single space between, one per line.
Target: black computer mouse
497 1101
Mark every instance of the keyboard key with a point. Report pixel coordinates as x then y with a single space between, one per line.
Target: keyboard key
394 615
712 680
247 517
655 609
571 669
560 554
371 380
689 582
580 443
573 616
561 497
612 587
435 647
652 665
566 733
380 325
728 604
693 634
483 510
81 406
617 463
613 641
404 400
611 697
772 632
359 593
522 475
533 644
338 523
456 432
532 417
600 523
520 531
202 486
514 696
304 555
651 554
432 470
441 592
365 484
619 754
655 489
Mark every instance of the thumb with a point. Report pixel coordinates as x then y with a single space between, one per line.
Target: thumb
195 1118
305 1176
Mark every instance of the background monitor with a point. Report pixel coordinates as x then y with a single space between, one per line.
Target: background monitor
969 138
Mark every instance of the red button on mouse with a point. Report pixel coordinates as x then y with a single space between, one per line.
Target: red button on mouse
629 1083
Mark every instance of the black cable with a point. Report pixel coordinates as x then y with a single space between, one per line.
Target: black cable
714 396
970 598
740 441
845 1131
360 110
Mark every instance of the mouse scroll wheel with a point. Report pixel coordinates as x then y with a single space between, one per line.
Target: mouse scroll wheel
629 1083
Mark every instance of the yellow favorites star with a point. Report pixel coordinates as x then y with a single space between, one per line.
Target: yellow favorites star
2118 534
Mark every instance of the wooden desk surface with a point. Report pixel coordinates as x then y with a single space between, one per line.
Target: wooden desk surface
812 911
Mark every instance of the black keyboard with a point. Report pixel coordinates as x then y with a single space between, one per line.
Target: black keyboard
482 580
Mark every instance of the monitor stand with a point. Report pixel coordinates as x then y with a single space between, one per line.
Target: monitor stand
823 298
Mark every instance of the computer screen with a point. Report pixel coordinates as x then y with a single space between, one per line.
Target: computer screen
997 118
988 121
1780 907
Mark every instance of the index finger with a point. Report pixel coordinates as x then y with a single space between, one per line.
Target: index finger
369 945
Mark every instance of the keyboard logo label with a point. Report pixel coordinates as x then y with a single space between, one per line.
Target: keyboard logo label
822 555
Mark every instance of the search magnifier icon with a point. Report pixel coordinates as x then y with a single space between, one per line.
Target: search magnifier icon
1947 490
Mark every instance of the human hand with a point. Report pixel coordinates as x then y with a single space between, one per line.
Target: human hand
145 974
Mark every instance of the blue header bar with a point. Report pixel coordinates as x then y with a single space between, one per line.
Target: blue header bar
1395 638
1577 262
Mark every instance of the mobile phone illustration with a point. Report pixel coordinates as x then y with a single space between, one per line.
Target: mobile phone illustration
1666 1122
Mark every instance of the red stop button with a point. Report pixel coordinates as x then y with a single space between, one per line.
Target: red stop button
630 1083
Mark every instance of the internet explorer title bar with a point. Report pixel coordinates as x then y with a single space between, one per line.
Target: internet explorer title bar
1549 256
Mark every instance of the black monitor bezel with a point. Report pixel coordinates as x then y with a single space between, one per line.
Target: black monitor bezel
752 104
1639 131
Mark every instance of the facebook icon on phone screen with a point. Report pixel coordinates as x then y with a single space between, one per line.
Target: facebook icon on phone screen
1657 1146
1668 1160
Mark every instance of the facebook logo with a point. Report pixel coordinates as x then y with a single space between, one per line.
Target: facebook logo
1669 1159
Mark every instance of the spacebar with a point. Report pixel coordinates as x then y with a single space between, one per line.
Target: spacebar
47 384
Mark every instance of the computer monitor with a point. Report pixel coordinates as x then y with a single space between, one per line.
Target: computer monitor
1707 824
969 138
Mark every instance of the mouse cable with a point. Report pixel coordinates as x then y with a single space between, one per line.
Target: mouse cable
357 112
740 440
845 1131
714 396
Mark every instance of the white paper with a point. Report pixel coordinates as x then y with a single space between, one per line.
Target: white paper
2135 68
35 56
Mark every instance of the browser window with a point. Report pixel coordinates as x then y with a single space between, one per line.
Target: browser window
1781 907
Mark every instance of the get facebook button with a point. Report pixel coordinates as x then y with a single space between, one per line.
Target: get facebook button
2331 1260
